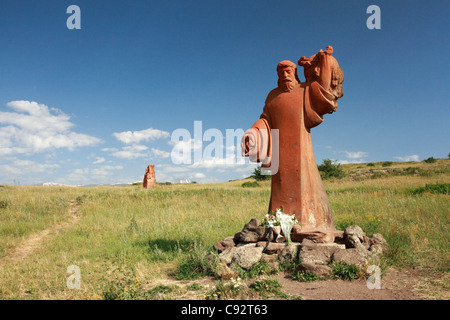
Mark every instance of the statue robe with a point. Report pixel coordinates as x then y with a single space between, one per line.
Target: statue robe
297 186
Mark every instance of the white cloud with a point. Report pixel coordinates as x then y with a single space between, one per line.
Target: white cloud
230 160
34 128
18 167
413 157
99 160
126 155
190 144
356 155
199 175
160 153
171 169
182 150
349 161
129 137
248 168
136 151
105 170
89 175
169 172
129 152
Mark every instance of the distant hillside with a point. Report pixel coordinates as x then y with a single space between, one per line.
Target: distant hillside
391 168
360 171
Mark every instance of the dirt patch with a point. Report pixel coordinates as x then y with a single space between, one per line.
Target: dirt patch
34 241
394 285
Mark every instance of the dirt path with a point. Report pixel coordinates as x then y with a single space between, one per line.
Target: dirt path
34 241
405 284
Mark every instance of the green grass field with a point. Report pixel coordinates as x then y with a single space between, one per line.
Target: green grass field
131 240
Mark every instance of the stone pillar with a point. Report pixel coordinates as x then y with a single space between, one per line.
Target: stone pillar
149 178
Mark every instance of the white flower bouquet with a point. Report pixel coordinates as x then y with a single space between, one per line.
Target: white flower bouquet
282 219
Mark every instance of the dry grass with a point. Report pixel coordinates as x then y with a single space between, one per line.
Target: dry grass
146 233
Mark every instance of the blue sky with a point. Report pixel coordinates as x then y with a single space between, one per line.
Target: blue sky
97 105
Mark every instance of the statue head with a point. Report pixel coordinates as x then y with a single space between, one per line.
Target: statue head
337 78
312 71
287 75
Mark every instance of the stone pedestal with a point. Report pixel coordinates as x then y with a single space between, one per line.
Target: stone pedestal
313 249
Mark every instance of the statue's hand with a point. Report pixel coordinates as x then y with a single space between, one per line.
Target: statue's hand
328 51
245 145
249 144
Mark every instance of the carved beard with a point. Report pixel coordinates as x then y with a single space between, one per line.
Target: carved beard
287 85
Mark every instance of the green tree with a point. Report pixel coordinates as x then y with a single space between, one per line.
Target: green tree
258 175
329 170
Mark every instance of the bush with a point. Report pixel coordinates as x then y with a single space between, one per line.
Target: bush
195 287
225 290
387 164
259 268
121 284
265 286
250 184
197 264
159 290
438 188
290 266
329 170
3 204
430 160
344 271
305 276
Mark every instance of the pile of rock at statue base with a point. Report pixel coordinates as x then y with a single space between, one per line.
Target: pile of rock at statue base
315 253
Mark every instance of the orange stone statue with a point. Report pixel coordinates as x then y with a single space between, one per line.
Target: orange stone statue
293 108
149 178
